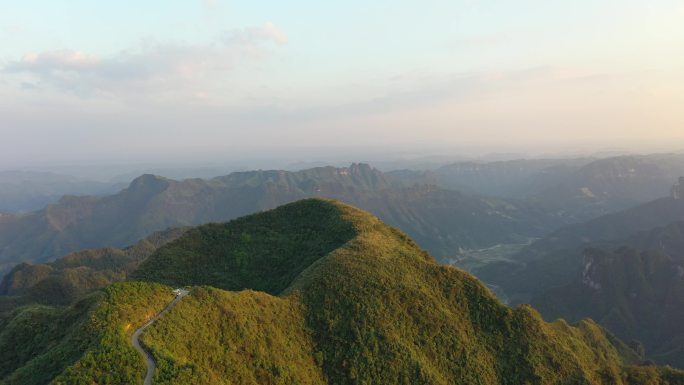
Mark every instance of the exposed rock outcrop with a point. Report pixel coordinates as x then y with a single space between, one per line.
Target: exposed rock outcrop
678 189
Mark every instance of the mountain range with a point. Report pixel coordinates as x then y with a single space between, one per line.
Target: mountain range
440 220
577 189
625 270
465 205
556 258
634 287
68 278
313 292
24 191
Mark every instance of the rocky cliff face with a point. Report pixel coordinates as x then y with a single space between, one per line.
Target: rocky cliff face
678 189
637 294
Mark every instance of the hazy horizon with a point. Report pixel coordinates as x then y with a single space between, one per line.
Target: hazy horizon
123 171
192 81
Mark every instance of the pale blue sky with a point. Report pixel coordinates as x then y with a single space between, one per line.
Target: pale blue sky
80 78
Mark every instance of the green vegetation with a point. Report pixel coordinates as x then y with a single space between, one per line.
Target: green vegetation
342 299
74 275
376 310
246 337
86 343
262 252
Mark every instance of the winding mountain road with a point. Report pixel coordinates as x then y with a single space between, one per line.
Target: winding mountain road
135 339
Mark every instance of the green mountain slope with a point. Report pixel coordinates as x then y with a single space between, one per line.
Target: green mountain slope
263 252
66 279
375 310
342 299
87 343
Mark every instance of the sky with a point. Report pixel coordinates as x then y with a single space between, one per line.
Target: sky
94 81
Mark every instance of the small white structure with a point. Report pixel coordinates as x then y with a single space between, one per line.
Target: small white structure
178 292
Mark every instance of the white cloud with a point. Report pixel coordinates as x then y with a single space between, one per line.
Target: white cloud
152 69
60 60
267 31
253 36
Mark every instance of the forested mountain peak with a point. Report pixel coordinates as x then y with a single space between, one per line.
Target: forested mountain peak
313 292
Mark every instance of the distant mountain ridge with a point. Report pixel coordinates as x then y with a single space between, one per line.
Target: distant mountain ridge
441 220
577 189
625 270
634 287
24 191
68 278
554 259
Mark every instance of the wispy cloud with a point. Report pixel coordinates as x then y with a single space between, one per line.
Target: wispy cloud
248 36
152 67
210 4
60 60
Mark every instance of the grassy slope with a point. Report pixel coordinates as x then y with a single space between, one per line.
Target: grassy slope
245 337
71 277
262 252
86 343
377 310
